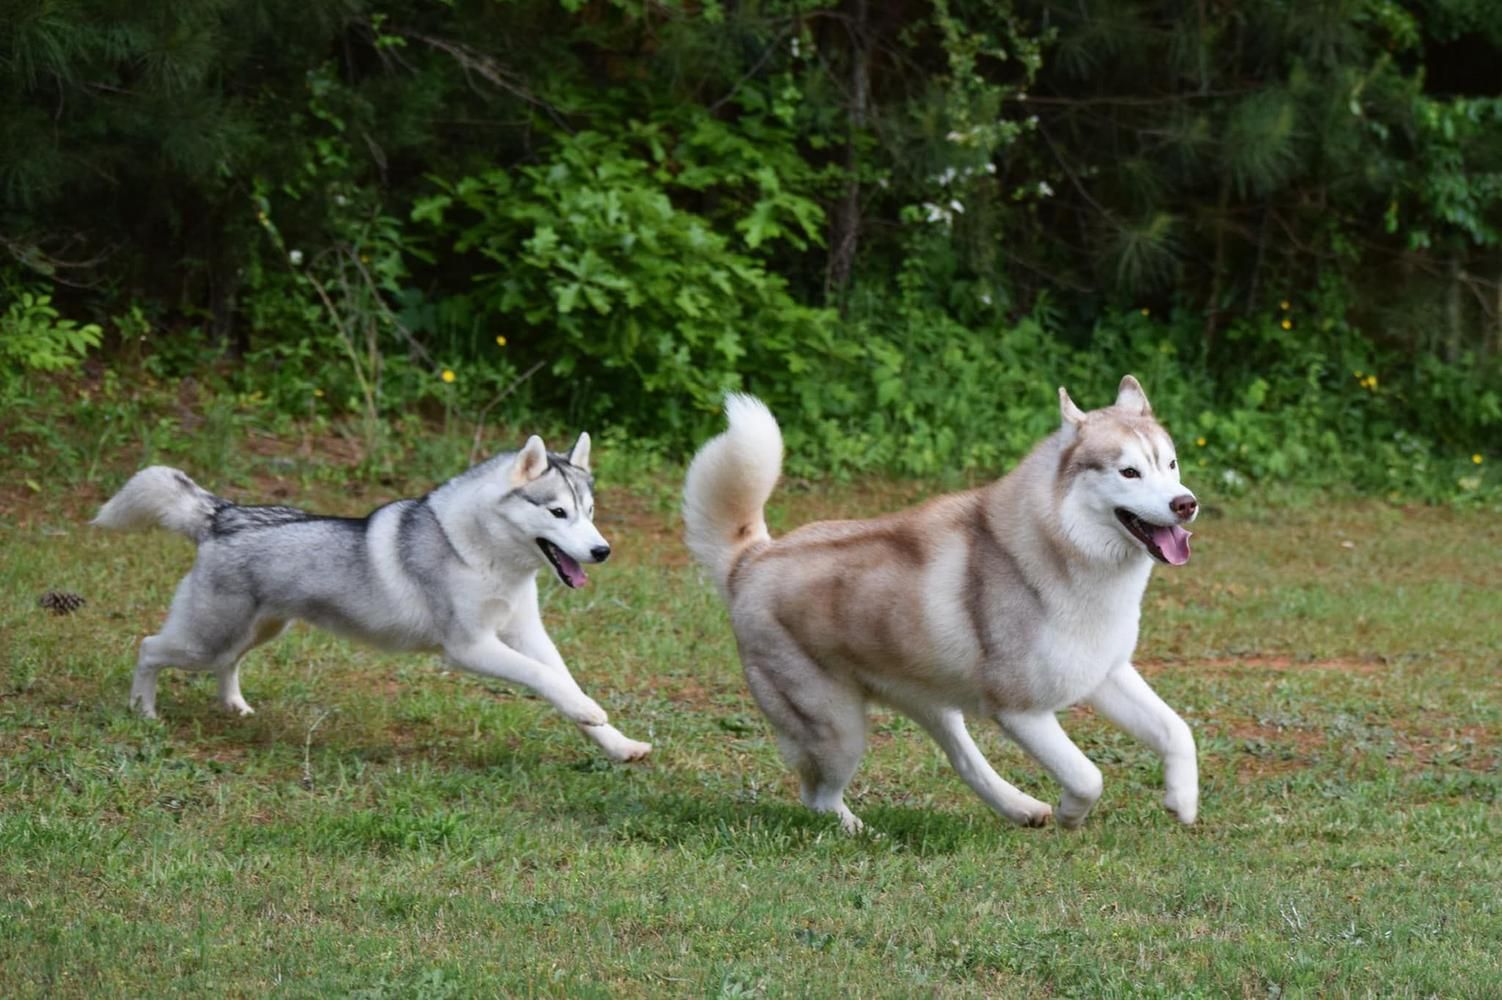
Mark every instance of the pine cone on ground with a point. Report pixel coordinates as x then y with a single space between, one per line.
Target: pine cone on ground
61 602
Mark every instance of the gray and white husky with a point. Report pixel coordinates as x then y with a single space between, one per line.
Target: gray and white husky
1012 602
454 571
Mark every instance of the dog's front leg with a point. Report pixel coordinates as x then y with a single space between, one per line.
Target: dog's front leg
1040 734
533 640
1127 700
490 657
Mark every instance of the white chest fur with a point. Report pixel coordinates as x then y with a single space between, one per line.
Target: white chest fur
1090 627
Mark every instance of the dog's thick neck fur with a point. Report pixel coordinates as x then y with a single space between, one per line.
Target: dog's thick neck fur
458 505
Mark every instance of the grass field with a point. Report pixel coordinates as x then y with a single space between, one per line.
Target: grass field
383 828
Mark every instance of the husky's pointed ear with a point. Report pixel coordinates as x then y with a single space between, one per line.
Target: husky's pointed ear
578 455
530 462
1130 397
1073 415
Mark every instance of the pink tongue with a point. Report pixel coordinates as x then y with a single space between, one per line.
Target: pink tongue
573 573
1173 542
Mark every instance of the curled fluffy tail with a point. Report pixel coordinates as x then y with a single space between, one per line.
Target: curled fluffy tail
160 497
728 484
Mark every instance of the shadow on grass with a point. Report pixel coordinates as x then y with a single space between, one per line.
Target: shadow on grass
712 823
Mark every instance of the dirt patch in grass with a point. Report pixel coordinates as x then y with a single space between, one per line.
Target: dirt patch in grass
690 693
1300 740
26 508
1431 743
1270 750
640 531
329 448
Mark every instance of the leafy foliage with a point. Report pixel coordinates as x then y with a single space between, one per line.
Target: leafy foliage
591 254
34 336
901 225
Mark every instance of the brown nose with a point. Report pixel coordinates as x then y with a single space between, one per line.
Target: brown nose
1184 506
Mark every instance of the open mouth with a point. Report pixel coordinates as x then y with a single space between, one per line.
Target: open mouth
567 567
1167 543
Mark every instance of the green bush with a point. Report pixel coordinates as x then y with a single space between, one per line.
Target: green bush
638 302
34 336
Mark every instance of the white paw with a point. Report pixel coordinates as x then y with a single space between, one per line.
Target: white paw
1184 805
1072 812
628 750
617 747
239 708
1031 813
850 822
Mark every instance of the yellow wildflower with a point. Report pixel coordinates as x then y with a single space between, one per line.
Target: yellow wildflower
1371 382
1287 324
1146 311
1476 459
501 341
448 375
1285 305
1200 442
318 393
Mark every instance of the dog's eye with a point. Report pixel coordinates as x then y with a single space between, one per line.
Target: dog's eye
1130 473
1173 463
558 512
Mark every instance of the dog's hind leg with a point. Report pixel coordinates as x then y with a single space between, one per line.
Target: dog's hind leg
947 727
230 697
1127 700
157 651
1041 736
194 639
152 658
820 723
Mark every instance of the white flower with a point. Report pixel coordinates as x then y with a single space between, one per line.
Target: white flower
340 200
956 207
295 258
1044 190
794 46
935 213
985 297
990 168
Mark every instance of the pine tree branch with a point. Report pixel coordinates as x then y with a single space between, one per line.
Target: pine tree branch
1130 102
750 73
472 61
33 257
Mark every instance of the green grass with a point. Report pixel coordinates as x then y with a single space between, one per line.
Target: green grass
384 828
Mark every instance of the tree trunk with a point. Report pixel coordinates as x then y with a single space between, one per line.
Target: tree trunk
1454 314
845 237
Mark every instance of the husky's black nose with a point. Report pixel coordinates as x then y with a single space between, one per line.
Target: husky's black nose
1184 506
600 552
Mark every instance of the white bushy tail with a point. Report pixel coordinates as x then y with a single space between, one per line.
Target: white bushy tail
158 496
728 484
